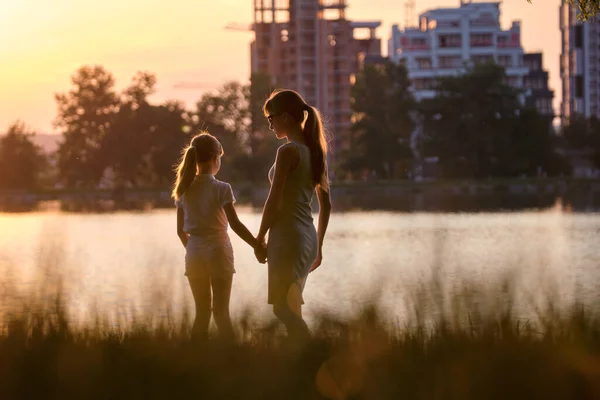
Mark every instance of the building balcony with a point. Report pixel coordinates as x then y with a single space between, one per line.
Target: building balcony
415 47
422 73
452 46
517 70
481 43
449 66
508 45
425 94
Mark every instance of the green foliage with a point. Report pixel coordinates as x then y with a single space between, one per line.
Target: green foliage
582 136
21 161
121 139
478 128
381 103
85 115
472 345
588 9
225 114
263 144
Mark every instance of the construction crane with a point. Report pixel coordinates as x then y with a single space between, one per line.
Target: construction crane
409 13
192 86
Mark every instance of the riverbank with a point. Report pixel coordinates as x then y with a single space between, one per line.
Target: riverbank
445 196
469 352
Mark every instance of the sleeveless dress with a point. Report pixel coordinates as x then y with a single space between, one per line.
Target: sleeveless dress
293 243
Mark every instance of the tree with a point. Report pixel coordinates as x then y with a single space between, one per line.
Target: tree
143 84
21 161
85 115
588 8
534 147
226 115
469 120
582 136
263 143
169 132
381 102
127 144
595 141
477 127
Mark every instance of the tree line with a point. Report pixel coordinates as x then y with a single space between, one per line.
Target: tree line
476 127
121 139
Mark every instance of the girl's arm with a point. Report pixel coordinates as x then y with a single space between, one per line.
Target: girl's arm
287 157
182 235
238 227
324 213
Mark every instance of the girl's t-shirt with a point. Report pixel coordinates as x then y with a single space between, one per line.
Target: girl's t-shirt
203 204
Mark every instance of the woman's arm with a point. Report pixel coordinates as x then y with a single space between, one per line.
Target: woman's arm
287 157
324 213
182 235
238 227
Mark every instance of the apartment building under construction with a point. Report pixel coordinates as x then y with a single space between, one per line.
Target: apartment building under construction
309 46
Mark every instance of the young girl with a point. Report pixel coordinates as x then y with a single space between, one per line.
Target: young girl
204 207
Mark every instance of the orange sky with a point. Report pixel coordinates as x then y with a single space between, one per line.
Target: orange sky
43 42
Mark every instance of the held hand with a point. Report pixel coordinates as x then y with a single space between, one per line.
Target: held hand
261 254
260 251
261 241
318 261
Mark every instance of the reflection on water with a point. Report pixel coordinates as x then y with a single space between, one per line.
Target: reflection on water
119 263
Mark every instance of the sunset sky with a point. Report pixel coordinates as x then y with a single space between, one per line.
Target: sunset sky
43 42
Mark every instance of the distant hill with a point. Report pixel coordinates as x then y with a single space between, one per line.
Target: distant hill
48 142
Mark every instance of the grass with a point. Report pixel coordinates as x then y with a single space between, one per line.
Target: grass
463 348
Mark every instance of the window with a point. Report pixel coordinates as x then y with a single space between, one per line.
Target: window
419 42
449 61
481 39
512 81
579 86
482 59
449 41
448 24
484 19
505 61
424 84
423 63
503 41
579 36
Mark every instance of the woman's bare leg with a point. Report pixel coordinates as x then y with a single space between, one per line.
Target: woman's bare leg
289 312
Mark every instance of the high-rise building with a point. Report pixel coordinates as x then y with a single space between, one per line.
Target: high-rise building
579 65
449 39
309 46
535 82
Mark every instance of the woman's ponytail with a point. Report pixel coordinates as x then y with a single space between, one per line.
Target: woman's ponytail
314 134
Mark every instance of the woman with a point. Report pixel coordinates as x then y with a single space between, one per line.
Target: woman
294 248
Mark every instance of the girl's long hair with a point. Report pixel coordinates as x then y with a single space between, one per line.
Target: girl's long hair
292 103
202 148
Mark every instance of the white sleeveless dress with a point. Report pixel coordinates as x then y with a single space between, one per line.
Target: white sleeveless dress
293 243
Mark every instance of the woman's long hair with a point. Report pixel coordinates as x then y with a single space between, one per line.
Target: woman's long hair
202 148
292 103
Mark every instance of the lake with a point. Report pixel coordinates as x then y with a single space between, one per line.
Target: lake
131 263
